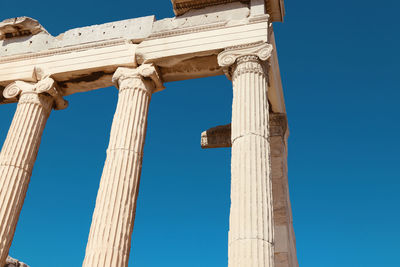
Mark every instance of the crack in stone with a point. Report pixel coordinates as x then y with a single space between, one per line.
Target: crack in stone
251 238
249 134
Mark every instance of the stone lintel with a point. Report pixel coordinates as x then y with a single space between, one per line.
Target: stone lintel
180 53
220 136
76 69
167 48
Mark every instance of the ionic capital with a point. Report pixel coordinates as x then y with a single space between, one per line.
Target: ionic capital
125 78
46 87
256 51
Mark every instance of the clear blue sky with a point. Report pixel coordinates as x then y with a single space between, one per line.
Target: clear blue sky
340 67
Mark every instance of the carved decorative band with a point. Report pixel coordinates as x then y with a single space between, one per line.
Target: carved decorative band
247 58
182 7
201 4
246 65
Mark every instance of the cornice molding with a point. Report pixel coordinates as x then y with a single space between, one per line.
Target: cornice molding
207 27
175 32
275 8
182 6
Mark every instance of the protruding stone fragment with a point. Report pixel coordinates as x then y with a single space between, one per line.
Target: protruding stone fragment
11 262
273 7
21 26
219 136
183 6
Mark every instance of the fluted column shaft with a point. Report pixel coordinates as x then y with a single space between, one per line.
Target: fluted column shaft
251 233
19 153
112 225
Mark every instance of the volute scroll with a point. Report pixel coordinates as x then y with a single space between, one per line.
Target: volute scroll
229 56
47 86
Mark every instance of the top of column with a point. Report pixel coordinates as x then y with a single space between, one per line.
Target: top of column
46 85
145 71
275 8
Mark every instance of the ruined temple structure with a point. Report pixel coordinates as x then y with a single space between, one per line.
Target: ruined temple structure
139 57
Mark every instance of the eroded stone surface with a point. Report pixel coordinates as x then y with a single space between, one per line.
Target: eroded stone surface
183 6
274 7
20 26
134 30
208 15
11 262
219 136
285 242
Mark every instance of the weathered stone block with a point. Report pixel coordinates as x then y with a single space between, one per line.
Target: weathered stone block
14 263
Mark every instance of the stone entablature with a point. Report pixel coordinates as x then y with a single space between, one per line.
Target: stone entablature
213 37
186 47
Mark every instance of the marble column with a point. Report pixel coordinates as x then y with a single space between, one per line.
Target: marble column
112 225
251 234
20 149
